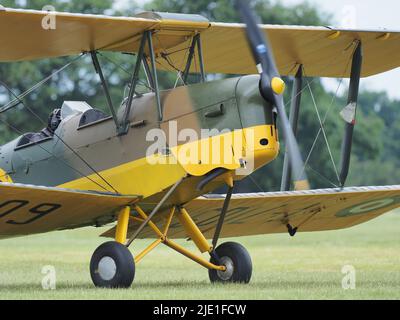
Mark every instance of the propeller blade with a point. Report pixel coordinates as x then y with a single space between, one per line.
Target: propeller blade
272 87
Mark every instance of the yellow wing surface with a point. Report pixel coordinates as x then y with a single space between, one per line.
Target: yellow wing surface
28 209
266 213
323 51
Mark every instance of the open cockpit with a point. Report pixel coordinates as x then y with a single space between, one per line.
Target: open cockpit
89 116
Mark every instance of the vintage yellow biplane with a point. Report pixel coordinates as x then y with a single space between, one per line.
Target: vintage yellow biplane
87 168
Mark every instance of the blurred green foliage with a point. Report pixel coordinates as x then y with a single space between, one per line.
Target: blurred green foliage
376 143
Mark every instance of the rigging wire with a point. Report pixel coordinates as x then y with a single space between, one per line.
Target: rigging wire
325 117
50 153
255 183
289 101
180 73
17 100
20 101
327 66
74 152
176 51
322 176
125 70
165 55
322 127
166 58
306 163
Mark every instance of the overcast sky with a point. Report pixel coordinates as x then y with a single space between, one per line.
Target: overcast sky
370 14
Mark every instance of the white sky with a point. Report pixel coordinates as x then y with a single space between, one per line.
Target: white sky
369 14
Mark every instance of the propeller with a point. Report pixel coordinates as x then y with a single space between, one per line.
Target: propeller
272 88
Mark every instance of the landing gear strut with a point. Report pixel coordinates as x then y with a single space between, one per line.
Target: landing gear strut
113 266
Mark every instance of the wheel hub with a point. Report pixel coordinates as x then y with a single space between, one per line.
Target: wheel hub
107 268
227 274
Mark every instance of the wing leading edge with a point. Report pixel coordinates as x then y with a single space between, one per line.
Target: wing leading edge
317 210
267 213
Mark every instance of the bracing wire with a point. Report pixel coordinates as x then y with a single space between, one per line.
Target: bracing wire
166 57
13 103
289 101
323 177
321 128
255 183
327 66
74 152
179 73
50 153
18 100
125 70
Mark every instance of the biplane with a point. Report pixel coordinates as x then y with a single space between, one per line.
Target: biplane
89 168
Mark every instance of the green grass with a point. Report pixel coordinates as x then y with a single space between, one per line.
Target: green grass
305 267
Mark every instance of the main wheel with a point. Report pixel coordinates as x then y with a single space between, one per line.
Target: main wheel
112 266
237 261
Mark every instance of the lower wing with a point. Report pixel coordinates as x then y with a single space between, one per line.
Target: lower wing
26 209
265 213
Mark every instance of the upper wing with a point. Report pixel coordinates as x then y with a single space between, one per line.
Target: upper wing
324 52
30 209
265 213
25 38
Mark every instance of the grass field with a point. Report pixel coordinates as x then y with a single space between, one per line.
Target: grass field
305 267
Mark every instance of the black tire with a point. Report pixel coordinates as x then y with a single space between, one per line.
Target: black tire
112 266
236 258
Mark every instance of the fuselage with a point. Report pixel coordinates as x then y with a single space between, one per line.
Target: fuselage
87 153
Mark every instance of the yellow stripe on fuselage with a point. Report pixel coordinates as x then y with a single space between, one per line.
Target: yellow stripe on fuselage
136 177
153 174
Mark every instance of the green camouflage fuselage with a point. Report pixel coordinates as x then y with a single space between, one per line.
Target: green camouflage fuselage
233 104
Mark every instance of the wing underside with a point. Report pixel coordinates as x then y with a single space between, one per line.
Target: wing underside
323 52
267 213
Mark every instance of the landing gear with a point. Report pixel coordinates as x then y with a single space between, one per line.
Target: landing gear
112 266
237 262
